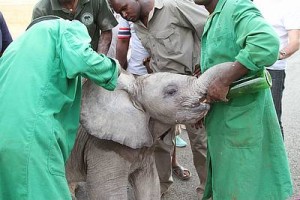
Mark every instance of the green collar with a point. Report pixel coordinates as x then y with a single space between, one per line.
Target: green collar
219 6
218 9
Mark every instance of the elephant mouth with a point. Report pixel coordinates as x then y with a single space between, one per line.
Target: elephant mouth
192 114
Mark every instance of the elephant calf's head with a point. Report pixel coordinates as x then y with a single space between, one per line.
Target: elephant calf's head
124 115
170 98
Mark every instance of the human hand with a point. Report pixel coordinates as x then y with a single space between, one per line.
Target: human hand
197 71
282 54
217 91
219 79
146 63
198 124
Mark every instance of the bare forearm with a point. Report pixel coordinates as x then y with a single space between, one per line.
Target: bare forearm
104 42
219 83
236 71
292 46
121 52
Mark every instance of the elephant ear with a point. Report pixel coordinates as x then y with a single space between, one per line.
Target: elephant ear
111 115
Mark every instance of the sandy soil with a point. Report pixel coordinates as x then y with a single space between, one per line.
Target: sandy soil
17 16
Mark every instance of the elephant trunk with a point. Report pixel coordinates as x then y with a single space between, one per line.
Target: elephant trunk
209 76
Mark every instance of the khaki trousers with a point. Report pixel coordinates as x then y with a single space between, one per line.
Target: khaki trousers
164 150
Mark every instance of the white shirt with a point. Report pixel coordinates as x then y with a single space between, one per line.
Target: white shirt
137 52
283 15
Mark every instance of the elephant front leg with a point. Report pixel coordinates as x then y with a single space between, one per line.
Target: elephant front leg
145 182
107 172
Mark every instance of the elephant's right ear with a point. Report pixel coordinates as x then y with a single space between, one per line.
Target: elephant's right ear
111 115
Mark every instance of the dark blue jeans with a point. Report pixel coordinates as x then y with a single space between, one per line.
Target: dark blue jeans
278 77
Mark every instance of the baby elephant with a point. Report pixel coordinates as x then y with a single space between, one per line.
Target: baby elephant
118 129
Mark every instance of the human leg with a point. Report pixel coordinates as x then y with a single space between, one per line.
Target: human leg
178 170
198 141
278 78
163 151
166 160
178 140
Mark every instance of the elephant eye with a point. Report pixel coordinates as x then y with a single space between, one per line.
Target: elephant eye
170 91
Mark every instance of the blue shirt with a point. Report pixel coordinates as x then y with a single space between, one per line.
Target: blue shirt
5 37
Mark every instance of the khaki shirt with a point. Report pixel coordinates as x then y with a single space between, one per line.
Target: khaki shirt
173 35
96 15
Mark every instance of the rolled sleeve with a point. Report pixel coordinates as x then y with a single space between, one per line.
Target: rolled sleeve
258 41
80 59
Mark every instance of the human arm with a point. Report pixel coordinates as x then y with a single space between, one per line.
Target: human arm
104 41
197 71
191 15
292 46
124 36
105 22
122 50
78 58
219 87
247 40
259 41
291 24
146 63
39 9
6 38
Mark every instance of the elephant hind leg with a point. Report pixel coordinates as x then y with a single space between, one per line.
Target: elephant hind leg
145 181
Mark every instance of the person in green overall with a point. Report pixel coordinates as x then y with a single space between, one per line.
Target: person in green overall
246 154
40 92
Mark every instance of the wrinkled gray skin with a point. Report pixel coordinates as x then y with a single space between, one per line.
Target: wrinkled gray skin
115 142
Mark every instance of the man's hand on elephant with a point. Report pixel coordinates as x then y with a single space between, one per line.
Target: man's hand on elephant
217 91
146 63
197 71
198 124
219 86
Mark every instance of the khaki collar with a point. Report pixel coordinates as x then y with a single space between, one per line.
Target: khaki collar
158 4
